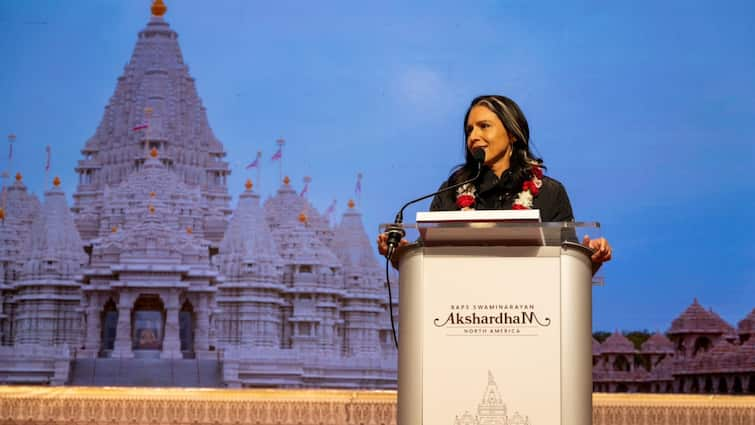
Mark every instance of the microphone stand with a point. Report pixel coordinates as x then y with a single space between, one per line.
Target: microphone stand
396 231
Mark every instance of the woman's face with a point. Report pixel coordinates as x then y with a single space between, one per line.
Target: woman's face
485 131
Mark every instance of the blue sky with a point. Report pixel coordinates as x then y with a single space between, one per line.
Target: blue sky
645 111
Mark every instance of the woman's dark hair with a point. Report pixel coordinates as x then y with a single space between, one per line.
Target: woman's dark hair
516 126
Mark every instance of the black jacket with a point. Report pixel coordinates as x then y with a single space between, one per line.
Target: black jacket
495 193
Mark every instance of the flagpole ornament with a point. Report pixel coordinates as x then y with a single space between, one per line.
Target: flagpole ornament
11 139
48 150
278 156
47 164
257 163
358 188
331 209
307 180
259 167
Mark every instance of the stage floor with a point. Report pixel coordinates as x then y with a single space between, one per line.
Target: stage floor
114 406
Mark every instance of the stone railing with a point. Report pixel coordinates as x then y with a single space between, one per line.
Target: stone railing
115 406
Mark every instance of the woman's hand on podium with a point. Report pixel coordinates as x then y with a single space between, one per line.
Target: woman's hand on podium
382 245
601 251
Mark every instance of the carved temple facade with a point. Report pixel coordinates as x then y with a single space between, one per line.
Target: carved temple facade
151 262
700 353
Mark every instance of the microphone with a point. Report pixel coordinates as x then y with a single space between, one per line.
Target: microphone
396 231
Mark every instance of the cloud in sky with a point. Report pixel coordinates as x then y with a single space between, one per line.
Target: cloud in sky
422 91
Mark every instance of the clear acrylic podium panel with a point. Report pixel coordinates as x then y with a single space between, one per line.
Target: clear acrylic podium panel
498 232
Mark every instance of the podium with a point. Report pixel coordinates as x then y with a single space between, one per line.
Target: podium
495 324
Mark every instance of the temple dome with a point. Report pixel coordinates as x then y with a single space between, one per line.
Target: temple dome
20 206
56 247
128 203
617 344
747 325
299 244
354 249
697 320
248 248
657 344
286 207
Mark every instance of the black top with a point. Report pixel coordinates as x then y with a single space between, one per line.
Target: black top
495 193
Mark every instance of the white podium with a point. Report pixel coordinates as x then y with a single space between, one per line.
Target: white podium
495 325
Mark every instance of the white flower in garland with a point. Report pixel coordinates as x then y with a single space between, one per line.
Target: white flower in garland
530 189
465 197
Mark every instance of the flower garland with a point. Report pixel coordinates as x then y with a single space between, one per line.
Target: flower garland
465 195
530 189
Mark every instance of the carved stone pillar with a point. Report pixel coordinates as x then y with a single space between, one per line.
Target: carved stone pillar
172 341
122 347
92 338
202 331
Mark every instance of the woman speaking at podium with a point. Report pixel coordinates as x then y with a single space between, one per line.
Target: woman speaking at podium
511 177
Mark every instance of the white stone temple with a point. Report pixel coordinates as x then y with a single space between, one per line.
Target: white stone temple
700 353
151 269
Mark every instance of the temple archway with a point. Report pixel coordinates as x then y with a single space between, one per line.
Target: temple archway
147 324
722 387
737 388
708 385
702 344
109 320
621 364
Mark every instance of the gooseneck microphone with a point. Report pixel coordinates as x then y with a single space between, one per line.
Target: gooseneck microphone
396 231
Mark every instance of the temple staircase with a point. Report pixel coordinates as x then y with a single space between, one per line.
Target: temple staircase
146 373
